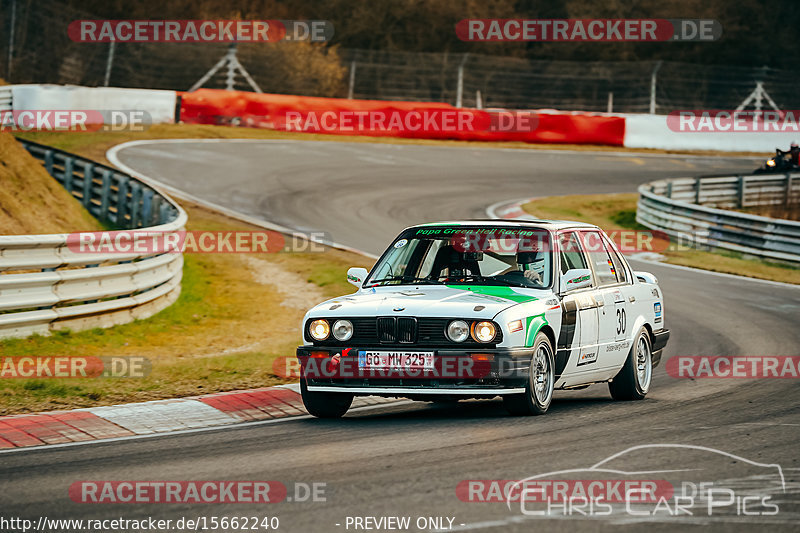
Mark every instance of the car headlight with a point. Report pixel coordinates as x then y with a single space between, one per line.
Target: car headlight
458 331
342 330
771 163
319 329
484 331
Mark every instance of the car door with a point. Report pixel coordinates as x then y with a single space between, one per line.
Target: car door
577 348
614 317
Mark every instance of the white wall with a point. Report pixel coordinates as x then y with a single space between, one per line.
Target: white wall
160 105
651 131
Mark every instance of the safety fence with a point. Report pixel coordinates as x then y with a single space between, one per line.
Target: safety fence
47 283
692 209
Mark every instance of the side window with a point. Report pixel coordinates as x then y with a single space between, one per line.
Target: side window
597 251
570 252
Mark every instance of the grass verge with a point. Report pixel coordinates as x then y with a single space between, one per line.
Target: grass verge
236 314
618 211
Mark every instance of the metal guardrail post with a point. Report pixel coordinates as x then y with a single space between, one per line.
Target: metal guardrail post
147 207
697 186
669 189
68 173
48 161
163 213
157 210
788 196
122 200
105 195
88 176
741 185
136 197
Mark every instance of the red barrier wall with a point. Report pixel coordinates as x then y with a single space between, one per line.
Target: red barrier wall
424 120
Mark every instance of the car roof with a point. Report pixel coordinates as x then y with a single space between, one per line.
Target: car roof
552 225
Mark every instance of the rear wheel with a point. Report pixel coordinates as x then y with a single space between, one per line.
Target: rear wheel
325 404
539 387
633 380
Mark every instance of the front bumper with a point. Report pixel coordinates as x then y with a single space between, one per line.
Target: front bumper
463 373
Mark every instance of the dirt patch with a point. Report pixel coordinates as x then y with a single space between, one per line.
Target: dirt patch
297 293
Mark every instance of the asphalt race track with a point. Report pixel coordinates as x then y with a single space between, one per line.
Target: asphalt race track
407 459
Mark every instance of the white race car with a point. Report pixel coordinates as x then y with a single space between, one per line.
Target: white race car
477 309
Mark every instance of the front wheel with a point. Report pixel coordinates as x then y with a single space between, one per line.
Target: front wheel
539 387
325 404
633 380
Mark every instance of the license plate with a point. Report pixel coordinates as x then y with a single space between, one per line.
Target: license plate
396 360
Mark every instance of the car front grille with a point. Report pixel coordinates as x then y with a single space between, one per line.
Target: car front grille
388 330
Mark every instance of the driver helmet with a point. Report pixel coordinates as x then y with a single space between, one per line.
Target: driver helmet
527 261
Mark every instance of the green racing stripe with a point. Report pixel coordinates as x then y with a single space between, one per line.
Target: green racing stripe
498 292
533 326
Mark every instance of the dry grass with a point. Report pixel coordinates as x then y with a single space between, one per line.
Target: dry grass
618 211
32 202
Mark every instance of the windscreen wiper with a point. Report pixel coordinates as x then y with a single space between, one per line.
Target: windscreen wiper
406 278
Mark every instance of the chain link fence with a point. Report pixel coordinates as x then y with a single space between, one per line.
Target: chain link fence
33 55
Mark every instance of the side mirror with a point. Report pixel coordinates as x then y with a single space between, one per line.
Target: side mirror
646 277
356 276
576 278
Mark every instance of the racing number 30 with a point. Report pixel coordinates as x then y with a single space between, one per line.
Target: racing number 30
621 321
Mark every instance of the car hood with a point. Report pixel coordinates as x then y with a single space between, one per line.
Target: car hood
435 301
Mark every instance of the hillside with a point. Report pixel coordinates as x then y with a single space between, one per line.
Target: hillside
31 201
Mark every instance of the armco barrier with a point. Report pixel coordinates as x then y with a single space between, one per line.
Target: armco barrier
45 285
688 209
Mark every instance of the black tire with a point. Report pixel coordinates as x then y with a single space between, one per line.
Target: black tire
634 379
325 404
539 388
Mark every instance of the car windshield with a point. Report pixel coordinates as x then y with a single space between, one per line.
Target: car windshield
496 255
